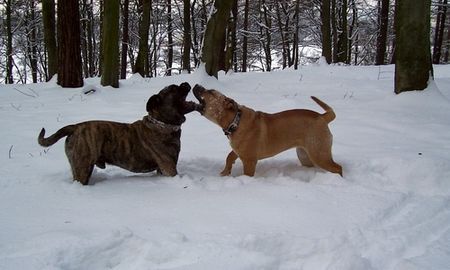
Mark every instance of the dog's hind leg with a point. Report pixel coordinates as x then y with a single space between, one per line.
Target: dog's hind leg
81 166
231 158
83 173
249 166
321 157
303 157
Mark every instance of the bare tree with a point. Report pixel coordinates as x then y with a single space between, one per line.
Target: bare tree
439 31
69 45
186 62
48 17
169 39
326 30
110 72
141 65
125 38
383 17
413 58
9 56
213 46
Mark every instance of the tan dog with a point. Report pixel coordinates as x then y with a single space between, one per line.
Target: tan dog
256 135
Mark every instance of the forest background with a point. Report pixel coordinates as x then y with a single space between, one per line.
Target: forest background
88 38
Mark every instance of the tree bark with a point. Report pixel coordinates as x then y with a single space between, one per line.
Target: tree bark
267 45
213 44
110 74
296 34
186 63
439 31
169 38
326 30
383 17
32 40
125 39
353 28
9 58
231 38
245 38
342 33
141 65
48 18
69 45
413 58
334 29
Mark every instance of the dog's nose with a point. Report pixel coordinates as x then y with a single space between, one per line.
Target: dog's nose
198 88
186 85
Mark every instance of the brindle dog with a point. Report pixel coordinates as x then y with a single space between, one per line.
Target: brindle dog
152 143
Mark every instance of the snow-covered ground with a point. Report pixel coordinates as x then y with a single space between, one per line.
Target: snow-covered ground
390 211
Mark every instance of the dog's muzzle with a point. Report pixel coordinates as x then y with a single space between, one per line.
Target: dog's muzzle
198 93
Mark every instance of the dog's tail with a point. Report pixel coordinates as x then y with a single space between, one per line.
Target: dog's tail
65 131
329 114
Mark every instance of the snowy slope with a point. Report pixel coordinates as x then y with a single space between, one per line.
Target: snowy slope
390 211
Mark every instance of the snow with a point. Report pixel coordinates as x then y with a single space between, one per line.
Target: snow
390 211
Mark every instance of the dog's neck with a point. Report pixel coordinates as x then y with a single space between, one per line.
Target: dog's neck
235 123
151 122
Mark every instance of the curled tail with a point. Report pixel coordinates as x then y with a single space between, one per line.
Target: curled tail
329 114
65 131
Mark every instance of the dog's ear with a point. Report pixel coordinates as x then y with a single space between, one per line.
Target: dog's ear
229 103
153 102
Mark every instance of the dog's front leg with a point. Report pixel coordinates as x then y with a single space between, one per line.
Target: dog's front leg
249 166
231 158
168 170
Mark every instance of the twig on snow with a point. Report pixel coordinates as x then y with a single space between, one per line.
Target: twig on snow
10 152
34 95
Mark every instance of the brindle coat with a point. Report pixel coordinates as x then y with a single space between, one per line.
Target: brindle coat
152 143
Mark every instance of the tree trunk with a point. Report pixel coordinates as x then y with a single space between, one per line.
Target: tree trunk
231 38
383 17
9 58
48 18
69 50
296 34
213 45
169 38
326 30
125 39
334 27
84 38
245 38
447 48
267 45
439 31
91 40
352 30
110 74
100 56
284 50
186 63
413 58
141 65
32 40
342 32
194 43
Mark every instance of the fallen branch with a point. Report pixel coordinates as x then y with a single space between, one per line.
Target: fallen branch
10 152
